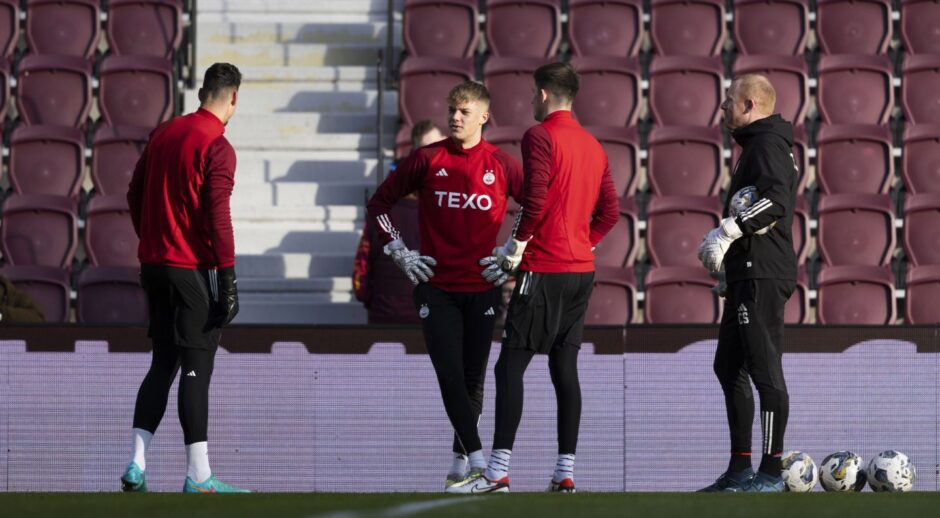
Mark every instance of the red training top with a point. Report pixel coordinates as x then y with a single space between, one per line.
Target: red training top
179 194
567 179
461 205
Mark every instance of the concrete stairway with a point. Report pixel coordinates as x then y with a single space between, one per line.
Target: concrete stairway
305 134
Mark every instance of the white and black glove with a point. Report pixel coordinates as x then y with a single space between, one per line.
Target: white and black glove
415 266
720 289
712 250
504 262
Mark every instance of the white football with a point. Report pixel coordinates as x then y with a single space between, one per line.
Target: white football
743 199
842 471
891 471
800 473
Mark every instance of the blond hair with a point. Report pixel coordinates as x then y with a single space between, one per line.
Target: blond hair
757 88
468 91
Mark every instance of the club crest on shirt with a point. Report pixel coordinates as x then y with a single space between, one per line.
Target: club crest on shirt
489 177
424 311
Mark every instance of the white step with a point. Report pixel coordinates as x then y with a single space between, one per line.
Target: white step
288 124
288 54
307 140
330 217
295 32
364 75
297 6
300 194
278 285
301 237
288 309
294 265
305 166
296 17
299 97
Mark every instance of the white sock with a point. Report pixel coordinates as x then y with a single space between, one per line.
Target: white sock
564 467
459 466
477 460
197 459
140 441
499 464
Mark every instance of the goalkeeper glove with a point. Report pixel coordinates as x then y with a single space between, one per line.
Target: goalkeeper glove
228 296
415 266
712 250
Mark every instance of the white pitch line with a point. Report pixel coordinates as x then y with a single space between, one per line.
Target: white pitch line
401 510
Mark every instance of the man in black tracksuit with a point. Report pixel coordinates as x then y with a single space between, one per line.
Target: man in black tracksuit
755 246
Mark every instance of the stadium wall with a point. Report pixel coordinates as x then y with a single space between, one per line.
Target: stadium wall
358 409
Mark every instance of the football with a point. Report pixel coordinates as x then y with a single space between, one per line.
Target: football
891 471
842 471
800 473
743 199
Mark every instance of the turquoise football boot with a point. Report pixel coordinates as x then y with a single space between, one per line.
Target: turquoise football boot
133 480
211 485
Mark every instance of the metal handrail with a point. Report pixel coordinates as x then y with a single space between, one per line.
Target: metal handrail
380 65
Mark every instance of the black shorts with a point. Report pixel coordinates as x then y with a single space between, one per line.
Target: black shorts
182 304
547 310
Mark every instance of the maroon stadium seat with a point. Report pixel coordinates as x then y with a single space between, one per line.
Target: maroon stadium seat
920 26
853 26
613 300
9 27
855 229
800 151
509 80
800 230
855 295
619 247
47 160
612 28
796 310
530 28
425 83
110 239
686 90
675 226
54 90
855 89
135 90
687 27
610 91
788 76
145 27
920 88
39 230
115 151
681 295
4 89
684 160
110 295
63 27
922 297
922 228
920 162
777 28
622 146
854 159
445 28
507 138
48 287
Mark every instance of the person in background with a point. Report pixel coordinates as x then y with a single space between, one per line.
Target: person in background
16 306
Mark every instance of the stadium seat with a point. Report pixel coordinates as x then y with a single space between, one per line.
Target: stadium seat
854 159
4 89
687 27
54 90
9 28
524 28
855 295
48 286
675 226
115 151
613 300
610 91
922 228
618 249
47 160
799 232
796 310
509 80
63 27
920 26
853 26
444 28
622 146
110 295
800 152
920 88
855 229
922 297
686 90
920 162
135 90
789 78
684 160
611 28
145 27
681 295
855 89
110 239
507 138
777 28
424 85
39 230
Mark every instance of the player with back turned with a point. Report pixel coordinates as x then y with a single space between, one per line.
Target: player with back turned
754 245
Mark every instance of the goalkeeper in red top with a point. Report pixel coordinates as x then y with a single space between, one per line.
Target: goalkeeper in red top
462 184
569 205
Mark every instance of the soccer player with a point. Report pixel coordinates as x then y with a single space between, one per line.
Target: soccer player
179 203
462 184
569 205
760 275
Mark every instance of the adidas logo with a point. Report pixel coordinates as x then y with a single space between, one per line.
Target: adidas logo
191 374
489 312
442 172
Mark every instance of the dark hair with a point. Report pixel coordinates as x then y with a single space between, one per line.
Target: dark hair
219 77
420 129
558 79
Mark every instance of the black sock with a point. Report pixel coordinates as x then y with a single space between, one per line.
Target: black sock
739 462
771 465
